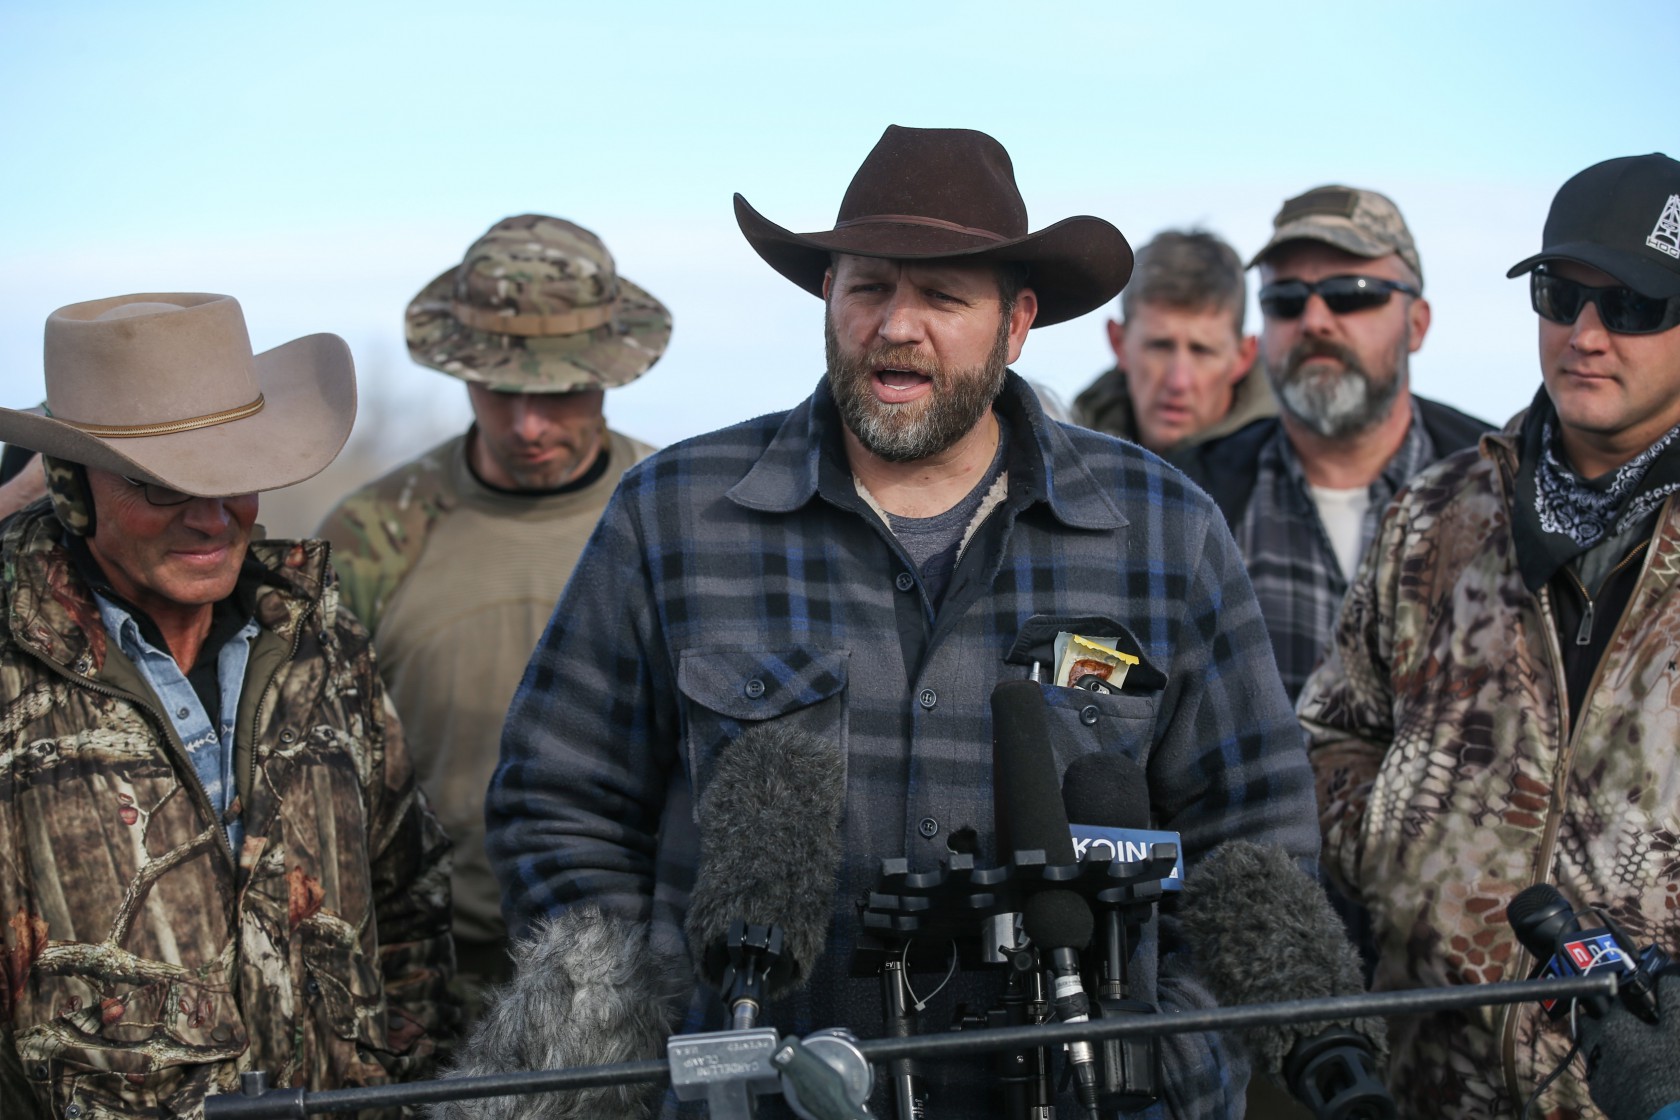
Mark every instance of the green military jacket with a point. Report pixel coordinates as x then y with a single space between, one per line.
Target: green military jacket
143 966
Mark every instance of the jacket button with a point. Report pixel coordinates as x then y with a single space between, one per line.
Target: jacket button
72 1110
928 698
905 581
1088 715
182 712
40 1071
755 689
287 735
312 986
221 1033
928 827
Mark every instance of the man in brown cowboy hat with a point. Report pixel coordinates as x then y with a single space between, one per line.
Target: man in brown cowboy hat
454 561
216 858
866 568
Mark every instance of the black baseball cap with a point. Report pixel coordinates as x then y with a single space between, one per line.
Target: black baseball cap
1622 217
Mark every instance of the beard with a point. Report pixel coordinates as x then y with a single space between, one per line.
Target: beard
1340 404
904 433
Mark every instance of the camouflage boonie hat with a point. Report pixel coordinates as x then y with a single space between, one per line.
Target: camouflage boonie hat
1361 222
537 306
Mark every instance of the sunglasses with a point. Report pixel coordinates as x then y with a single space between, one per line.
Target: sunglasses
1621 310
1343 295
159 495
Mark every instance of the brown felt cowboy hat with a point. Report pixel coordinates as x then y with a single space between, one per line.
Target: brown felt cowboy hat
165 389
929 193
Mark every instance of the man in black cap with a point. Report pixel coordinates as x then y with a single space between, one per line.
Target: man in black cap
1501 702
866 568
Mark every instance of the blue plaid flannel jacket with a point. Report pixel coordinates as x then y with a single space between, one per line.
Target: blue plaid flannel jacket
745 557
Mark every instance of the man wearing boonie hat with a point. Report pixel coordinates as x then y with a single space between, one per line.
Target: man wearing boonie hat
1503 680
866 568
454 561
1342 310
216 858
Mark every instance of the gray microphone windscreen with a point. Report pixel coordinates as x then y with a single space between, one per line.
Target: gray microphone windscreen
769 847
1263 932
588 989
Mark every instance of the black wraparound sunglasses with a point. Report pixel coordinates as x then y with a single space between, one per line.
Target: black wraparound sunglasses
1344 295
1621 310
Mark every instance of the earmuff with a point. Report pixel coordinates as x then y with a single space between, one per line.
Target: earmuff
72 499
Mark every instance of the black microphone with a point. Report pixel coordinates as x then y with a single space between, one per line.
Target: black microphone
587 989
1109 790
763 896
1027 803
1263 932
1546 925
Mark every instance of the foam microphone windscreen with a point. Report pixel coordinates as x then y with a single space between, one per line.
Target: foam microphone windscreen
587 989
769 848
1026 797
1106 790
1263 932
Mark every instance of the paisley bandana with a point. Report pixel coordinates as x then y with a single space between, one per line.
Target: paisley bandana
1559 515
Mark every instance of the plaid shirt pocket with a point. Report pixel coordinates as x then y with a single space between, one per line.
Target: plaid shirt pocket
727 690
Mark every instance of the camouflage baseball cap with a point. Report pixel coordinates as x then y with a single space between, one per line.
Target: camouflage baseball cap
537 306
1361 222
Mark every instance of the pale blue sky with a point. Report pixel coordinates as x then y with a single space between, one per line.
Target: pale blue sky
321 161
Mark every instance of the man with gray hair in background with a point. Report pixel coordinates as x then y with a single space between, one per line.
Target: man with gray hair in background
1181 360
1343 310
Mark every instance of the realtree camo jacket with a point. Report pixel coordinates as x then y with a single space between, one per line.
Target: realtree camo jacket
139 971
1448 783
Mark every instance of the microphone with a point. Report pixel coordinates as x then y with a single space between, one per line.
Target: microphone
1027 804
588 989
1109 790
769 824
1546 925
1263 932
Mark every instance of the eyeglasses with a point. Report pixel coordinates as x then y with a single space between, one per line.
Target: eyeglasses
159 495
1343 295
1621 310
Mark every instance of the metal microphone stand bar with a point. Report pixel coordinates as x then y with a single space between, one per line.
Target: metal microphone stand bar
257 1102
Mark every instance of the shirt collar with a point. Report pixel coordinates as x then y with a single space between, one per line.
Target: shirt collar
806 456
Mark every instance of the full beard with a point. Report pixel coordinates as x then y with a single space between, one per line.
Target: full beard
1343 404
903 433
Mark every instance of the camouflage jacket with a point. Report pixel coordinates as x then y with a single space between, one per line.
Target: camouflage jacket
1448 781
140 970
380 530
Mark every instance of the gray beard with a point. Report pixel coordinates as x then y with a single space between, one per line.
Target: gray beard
904 433
1335 408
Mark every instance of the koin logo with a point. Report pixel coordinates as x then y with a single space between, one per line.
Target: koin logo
1665 236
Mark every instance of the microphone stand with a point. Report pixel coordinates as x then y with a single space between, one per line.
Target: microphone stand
255 1100
1131 1066
909 1094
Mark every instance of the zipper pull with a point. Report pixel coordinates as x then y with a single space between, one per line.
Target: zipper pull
1583 636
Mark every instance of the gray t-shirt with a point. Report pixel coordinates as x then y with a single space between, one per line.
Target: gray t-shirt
934 543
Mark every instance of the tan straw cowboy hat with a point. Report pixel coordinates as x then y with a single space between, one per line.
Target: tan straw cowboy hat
934 193
165 389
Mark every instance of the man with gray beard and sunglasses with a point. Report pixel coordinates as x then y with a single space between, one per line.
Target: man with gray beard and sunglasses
1343 311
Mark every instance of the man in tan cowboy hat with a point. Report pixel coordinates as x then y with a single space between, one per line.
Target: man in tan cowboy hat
454 561
216 856
865 569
